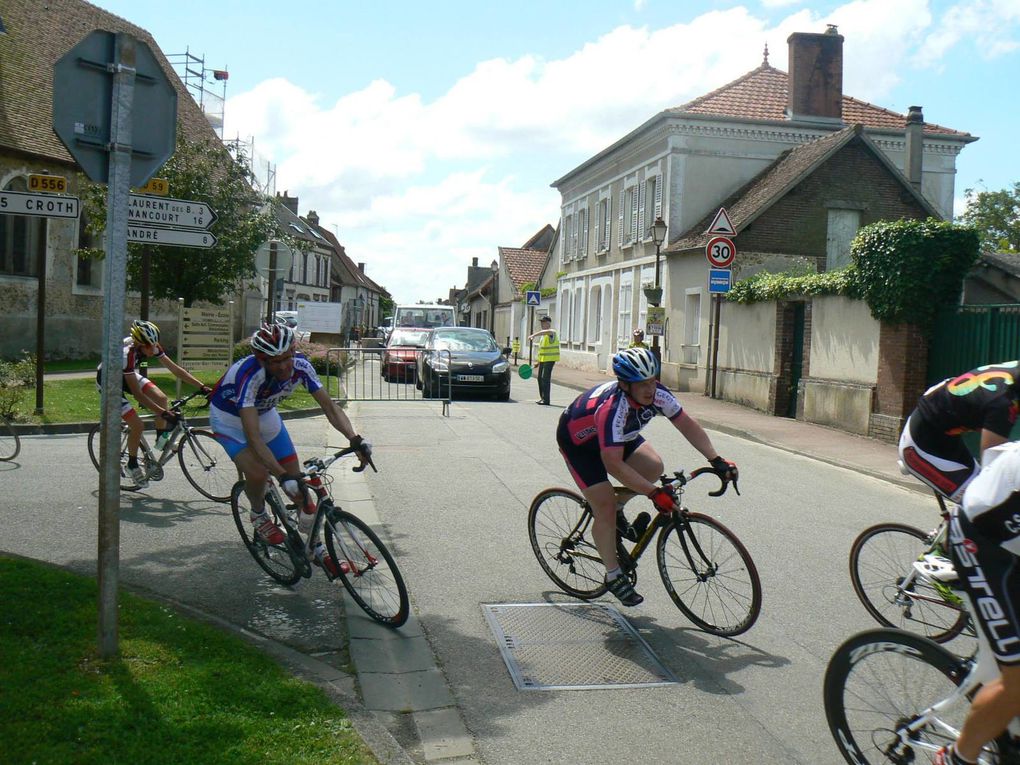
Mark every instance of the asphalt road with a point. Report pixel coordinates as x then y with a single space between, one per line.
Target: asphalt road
454 493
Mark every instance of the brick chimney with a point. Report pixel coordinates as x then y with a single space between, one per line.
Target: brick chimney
361 267
312 217
816 77
474 262
913 159
291 203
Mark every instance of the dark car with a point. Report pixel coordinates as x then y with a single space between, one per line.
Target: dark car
465 357
400 357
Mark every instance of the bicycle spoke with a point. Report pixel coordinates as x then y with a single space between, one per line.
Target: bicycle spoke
559 530
207 466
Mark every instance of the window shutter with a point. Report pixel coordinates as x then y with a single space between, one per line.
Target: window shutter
619 234
564 255
633 213
609 222
658 196
641 211
585 211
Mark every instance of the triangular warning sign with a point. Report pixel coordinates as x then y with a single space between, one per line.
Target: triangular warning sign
721 224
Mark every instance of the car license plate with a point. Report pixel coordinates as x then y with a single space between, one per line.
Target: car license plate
471 378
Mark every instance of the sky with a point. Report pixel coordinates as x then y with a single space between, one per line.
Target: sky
428 133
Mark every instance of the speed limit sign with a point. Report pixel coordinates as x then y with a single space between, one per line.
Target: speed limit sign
720 252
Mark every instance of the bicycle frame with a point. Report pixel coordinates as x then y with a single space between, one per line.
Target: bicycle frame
936 539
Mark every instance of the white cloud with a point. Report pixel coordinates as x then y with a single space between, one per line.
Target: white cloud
779 3
988 24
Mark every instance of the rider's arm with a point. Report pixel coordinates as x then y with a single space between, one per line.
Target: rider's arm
179 371
695 435
131 379
336 416
612 458
250 423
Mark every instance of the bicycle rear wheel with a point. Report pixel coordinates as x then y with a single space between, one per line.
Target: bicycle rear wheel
366 568
207 466
559 527
881 559
878 682
276 560
709 574
10 442
126 482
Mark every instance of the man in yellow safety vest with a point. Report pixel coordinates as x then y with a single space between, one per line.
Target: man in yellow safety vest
548 355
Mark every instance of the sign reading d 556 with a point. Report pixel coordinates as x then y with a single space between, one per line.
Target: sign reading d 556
51 184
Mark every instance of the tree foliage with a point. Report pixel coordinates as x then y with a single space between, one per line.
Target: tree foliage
203 171
996 216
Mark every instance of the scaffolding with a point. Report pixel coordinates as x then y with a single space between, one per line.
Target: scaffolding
196 77
263 171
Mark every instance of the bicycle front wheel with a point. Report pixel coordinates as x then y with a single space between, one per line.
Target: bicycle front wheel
709 574
559 527
880 681
881 571
276 560
10 441
126 482
366 568
207 466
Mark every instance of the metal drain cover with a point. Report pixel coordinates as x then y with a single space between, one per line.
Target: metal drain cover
572 646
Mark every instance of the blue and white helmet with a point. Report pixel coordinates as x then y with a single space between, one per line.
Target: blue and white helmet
635 365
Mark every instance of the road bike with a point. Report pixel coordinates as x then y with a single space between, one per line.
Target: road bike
10 441
892 591
364 564
705 568
896 697
204 462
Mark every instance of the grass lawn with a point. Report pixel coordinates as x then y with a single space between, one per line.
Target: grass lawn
180 691
77 400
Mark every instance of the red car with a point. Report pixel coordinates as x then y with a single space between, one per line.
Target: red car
399 359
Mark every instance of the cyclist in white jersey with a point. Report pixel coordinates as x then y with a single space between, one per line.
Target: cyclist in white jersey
244 418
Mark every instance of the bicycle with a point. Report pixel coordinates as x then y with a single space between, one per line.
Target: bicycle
203 460
887 583
10 441
702 564
365 566
893 696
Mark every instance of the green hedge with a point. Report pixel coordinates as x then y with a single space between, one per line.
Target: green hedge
315 352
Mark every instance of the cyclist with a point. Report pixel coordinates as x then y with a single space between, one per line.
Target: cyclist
143 342
244 419
984 536
984 400
599 435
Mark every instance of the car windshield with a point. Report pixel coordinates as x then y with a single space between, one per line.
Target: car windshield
425 317
407 337
464 341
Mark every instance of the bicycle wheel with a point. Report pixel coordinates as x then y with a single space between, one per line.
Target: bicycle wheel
207 466
10 442
880 560
559 527
126 482
709 574
881 680
276 560
367 569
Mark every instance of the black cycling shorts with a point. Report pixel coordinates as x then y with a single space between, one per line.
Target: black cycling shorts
585 462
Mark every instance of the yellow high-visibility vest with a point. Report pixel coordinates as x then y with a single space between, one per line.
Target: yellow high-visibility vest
549 348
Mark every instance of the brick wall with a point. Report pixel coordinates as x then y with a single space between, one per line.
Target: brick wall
902 368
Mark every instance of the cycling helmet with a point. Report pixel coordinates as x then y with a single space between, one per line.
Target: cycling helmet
272 340
635 365
144 332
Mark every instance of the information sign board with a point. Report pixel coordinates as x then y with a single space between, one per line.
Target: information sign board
719 280
656 321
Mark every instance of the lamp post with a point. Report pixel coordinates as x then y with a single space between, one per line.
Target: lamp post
492 296
654 295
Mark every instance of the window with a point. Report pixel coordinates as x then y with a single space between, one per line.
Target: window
651 204
843 225
628 215
595 316
22 239
563 306
88 271
582 230
692 326
578 315
565 236
647 280
603 223
626 307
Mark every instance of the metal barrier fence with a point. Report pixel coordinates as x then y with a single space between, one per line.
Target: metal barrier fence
373 374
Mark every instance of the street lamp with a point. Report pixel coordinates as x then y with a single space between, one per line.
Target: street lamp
492 296
654 295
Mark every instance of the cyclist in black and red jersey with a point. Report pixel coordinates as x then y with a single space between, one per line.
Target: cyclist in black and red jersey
600 435
984 400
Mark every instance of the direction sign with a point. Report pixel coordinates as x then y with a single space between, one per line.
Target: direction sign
167 212
171 237
721 224
720 251
719 280
39 205
533 297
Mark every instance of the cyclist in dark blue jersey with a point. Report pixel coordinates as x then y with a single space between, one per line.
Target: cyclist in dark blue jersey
599 435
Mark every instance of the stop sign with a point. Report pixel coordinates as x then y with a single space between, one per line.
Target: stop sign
82 91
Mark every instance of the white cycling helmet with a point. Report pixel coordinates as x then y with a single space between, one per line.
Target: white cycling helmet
144 332
272 340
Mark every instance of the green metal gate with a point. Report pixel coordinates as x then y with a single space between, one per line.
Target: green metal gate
965 337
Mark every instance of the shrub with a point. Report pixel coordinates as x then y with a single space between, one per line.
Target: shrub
16 377
315 352
765 285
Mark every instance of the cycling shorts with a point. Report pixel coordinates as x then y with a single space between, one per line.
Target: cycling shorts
230 433
126 407
991 577
942 461
585 462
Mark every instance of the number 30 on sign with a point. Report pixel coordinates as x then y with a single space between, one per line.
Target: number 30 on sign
720 252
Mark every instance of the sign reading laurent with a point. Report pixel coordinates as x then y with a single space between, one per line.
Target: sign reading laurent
145 210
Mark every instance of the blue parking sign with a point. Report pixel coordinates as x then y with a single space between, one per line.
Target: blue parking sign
719 280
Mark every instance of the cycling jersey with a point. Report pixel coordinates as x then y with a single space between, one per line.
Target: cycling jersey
982 399
132 357
246 384
605 416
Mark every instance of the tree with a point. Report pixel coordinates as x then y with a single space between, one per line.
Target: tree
996 216
203 171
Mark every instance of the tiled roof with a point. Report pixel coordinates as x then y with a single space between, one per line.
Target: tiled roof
793 165
763 93
39 32
523 265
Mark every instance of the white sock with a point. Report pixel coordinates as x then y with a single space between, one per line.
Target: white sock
611 574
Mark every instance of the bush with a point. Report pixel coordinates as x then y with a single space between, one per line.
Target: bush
315 352
764 285
16 377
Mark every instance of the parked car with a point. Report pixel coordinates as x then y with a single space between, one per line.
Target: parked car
400 358
468 358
